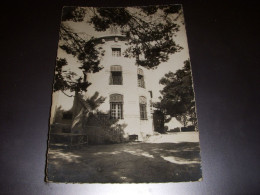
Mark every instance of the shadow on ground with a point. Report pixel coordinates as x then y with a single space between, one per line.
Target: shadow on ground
126 163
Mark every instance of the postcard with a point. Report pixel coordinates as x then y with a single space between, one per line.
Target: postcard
123 106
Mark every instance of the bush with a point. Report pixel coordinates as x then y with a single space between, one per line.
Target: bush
60 128
177 129
166 128
158 120
104 131
188 128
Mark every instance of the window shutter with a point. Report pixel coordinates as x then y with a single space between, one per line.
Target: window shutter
142 100
116 68
116 98
110 79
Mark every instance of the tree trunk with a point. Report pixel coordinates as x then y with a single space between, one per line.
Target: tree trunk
77 115
77 123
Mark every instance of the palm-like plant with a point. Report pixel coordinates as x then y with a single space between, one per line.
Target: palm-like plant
82 109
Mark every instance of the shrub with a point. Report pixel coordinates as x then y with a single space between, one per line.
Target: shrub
158 120
166 128
177 129
103 130
188 128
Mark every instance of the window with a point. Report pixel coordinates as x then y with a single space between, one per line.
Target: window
116 106
140 77
116 110
142 104
116 52
116 78
116 75
143 113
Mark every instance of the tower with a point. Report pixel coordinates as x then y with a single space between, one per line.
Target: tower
123 84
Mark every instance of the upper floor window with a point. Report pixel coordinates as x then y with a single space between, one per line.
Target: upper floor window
116 52
116 106
140 77
143 108
116 77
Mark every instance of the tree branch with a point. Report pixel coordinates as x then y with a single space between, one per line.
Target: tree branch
67 94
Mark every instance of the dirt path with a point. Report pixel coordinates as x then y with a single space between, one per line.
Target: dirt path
174 137
126 163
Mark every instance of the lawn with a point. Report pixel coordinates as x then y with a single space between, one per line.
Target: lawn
134 162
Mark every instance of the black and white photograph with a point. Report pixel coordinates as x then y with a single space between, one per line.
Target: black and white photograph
123 104
129 97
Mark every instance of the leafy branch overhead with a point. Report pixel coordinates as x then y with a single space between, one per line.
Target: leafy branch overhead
150 32
68 80
85 50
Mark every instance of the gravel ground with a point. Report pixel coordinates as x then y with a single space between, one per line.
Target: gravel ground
176 137
135 162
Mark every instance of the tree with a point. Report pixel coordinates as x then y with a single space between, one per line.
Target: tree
150 32
67 80
178 96
82 109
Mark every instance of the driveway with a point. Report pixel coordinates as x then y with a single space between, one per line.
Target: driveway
135 162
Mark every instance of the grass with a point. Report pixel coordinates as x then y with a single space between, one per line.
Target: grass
126 163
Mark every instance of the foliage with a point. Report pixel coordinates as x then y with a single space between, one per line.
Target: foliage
177 95
58 115
103 130
150 32
83 109
93 102
158 121
188 128
68 80
76 14
86 53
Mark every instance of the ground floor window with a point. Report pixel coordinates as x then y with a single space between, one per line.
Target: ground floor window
143 113
116 110
143 109
116 106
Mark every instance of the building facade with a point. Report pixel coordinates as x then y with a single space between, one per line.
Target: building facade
123 84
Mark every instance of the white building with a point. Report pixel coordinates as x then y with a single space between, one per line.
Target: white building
123 84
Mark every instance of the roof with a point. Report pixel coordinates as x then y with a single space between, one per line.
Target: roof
110 38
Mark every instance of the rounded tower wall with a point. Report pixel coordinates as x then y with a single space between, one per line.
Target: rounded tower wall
126 85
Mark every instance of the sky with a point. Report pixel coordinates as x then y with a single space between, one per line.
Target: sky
174 63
